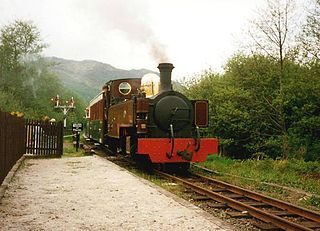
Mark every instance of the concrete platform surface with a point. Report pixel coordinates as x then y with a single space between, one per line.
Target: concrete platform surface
91 193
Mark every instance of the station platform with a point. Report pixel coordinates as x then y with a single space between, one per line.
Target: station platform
92 193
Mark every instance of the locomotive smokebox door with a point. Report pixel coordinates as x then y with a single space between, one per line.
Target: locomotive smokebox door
172 109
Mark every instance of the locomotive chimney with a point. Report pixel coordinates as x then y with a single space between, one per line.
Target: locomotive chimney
165 76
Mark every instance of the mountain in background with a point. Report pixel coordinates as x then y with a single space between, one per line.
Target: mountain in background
87 77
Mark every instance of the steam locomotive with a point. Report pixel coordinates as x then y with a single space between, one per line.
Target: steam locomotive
150 122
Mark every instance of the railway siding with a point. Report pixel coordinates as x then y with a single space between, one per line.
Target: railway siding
91 193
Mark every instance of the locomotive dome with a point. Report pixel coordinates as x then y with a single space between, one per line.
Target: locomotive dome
150 84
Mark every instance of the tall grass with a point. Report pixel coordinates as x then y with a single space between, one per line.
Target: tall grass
296 174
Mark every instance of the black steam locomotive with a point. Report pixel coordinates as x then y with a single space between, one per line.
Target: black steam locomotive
162 127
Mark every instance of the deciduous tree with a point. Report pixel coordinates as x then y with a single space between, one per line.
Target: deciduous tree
310 36
19 39
273 35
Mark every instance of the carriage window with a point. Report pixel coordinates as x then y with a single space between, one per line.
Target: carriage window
124 88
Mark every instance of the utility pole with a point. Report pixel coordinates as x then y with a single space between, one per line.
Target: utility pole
64 108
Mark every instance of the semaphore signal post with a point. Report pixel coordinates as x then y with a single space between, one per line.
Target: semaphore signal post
69 105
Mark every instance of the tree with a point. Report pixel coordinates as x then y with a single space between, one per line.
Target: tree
228 111
266 103
273 35
310 37
302 109
244 114
272 32
26 84
19 39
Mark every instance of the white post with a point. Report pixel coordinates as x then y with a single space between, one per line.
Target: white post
65 111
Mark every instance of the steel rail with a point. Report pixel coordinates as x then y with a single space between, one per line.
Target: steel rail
306 213
262 215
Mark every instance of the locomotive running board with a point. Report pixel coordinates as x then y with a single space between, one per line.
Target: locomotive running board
156 149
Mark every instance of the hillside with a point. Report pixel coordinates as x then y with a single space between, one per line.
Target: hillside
87 77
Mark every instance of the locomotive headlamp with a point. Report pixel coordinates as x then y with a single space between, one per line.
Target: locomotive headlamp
124 88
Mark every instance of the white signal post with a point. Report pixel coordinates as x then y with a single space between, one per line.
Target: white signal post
64 108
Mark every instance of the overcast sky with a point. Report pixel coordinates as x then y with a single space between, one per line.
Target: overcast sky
131 34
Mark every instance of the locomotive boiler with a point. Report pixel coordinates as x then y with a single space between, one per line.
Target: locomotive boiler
160 125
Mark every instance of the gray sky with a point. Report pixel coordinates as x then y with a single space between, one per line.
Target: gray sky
192 34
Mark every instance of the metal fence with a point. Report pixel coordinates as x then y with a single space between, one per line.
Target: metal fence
12 142
44 138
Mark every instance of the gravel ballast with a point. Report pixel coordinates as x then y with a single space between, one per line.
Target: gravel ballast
91 193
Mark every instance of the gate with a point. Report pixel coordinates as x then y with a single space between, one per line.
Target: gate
44 138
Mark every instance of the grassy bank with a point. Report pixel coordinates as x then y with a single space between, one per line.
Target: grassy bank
69 149
295 180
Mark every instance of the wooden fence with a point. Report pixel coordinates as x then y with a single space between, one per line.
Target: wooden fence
44 138
12 142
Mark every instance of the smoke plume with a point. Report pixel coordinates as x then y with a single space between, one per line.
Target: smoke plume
131 19
158 51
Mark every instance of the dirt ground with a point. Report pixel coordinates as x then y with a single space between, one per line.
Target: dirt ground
91 193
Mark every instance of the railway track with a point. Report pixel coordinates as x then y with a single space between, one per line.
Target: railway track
272 214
